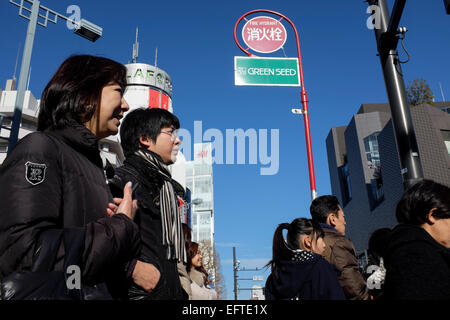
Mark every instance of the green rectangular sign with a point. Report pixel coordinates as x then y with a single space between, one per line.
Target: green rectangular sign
250 71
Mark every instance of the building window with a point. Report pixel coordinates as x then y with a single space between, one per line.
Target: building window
373 161
446 136
347 190
377 189
445 109
371 146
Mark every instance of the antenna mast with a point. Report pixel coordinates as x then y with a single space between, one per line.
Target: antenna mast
17 61
136 47
442 92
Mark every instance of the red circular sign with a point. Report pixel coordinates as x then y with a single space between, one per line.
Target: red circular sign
264 34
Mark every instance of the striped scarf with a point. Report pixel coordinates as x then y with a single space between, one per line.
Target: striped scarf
172 232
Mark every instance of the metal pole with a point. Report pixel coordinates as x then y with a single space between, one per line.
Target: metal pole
411 167
23 76
397 12
304 99
235 273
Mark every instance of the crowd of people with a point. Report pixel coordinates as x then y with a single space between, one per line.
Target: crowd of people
410 261
64 207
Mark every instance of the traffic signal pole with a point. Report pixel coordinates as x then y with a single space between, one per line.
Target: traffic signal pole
387 40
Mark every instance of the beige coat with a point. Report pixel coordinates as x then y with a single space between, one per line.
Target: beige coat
199 290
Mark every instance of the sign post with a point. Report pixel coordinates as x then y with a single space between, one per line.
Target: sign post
266 34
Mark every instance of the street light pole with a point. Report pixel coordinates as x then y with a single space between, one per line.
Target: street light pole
387 40
235 269
23 76
83 28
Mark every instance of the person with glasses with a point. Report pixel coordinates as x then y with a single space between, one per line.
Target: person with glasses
150 143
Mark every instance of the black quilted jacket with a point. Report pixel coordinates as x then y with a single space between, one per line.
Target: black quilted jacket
55 179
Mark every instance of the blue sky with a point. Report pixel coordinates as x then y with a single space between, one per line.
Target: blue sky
196 47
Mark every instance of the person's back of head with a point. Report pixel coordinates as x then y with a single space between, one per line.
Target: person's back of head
321 207
74 92
417 202
295 239
427 205
144 122
378 241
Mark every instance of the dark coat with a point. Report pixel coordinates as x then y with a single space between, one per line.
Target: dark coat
148 218
68 189
307 278
417 266
340 252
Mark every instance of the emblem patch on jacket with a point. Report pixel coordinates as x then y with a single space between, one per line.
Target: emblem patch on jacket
35 172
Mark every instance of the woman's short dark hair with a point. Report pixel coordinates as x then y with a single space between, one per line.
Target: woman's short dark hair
74 92
322 206
144 122
420 199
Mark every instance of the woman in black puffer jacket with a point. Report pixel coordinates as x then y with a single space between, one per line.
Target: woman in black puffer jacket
54 179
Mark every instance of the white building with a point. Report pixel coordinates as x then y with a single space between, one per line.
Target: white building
257 293
148 86
199 179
